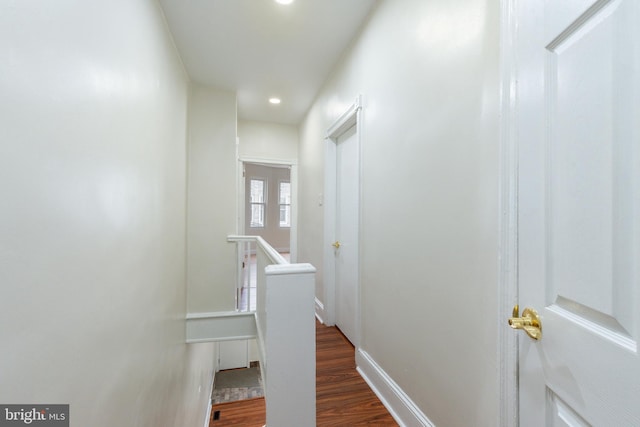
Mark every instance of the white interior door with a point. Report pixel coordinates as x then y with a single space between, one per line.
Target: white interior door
578 133
346 263
233 354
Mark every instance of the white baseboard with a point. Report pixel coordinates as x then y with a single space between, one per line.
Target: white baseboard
207 420
397 402
319 311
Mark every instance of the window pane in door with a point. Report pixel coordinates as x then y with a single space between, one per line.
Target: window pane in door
257 215
285 204
257 191
285 216
285 193
257 198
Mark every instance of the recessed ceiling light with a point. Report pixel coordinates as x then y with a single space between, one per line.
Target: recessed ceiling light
274 100
284 1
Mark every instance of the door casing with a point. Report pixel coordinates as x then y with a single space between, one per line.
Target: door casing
508 224
327 311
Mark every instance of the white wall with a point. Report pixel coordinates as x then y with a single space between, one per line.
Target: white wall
93 118
212 201
270 141
428 72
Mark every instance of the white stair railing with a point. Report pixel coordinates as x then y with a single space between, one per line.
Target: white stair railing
285 324
246 273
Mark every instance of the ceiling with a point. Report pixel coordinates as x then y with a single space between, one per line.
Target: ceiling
262 49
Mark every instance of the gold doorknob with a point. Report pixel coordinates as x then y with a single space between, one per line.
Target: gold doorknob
529 322
336 244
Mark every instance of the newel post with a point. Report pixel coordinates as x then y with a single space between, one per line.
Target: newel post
290 353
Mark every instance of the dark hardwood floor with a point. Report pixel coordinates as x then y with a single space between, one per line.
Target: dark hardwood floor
244 413
343 398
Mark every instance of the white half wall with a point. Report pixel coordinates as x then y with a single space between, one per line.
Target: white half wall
429 75
93 123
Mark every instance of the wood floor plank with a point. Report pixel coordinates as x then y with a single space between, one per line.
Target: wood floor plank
243 413
343 398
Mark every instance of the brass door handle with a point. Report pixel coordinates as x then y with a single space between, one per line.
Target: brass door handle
336 244
530 322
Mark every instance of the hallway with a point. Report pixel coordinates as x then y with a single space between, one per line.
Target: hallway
342 396
121 168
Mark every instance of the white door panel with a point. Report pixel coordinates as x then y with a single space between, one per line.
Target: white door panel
347 185
233 354
578 135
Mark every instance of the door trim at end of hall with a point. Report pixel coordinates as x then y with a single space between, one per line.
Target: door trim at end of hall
293 178
508 220
351 117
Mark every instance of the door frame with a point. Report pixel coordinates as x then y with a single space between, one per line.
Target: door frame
508 217
293 178
351 117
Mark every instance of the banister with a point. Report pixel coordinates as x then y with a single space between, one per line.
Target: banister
275 257
280 269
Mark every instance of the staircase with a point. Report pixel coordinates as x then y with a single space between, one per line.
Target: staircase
283 325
